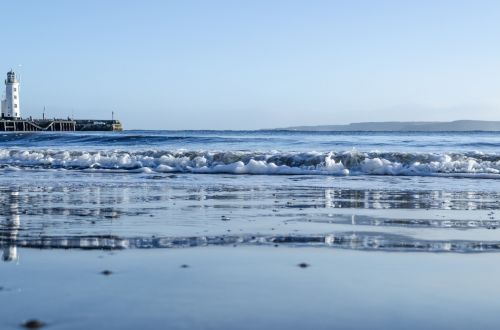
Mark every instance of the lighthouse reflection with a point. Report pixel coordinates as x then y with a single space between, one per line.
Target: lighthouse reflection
12 229
42 212
10 226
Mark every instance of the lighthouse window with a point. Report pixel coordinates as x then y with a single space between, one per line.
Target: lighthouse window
15 105
15 97
15 89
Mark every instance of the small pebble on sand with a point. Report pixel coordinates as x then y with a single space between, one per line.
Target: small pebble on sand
303 265
106 272
33 324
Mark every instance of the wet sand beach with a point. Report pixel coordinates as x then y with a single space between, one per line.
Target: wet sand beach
250 287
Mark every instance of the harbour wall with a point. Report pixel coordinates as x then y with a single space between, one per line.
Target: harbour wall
58 125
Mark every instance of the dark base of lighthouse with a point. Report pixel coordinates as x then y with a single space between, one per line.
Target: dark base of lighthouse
58 125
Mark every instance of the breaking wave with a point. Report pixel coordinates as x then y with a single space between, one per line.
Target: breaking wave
472 164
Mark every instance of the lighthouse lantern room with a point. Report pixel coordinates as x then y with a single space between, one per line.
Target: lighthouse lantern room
10 105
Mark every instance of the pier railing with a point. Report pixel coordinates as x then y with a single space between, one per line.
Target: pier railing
58 125
21 125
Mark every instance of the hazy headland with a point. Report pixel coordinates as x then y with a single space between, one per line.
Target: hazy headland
402 126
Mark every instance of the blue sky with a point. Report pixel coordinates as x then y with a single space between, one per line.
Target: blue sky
255 64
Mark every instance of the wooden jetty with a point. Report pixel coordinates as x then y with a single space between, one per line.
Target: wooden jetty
58 125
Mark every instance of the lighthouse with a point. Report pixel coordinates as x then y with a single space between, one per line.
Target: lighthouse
11 120
10 105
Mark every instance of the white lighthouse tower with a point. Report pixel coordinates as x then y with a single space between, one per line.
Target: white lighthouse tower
10 106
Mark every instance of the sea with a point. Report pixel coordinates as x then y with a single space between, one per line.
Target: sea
250 229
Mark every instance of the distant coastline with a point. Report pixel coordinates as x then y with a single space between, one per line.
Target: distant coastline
408 126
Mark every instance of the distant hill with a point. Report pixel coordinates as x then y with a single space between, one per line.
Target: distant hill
410 126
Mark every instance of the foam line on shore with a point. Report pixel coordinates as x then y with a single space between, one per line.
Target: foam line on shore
473 164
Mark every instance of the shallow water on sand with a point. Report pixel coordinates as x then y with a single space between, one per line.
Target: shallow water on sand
242 236
115 211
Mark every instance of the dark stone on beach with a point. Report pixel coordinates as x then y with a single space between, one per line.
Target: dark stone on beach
184 266
224 218
303 265
106 272
33 324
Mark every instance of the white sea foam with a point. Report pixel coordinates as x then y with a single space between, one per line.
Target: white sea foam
334 163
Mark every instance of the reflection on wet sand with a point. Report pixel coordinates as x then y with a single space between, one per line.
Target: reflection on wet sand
363 220
114 200
347 240
10 228
82 216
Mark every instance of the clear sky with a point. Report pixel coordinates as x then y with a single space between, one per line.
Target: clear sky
254 64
